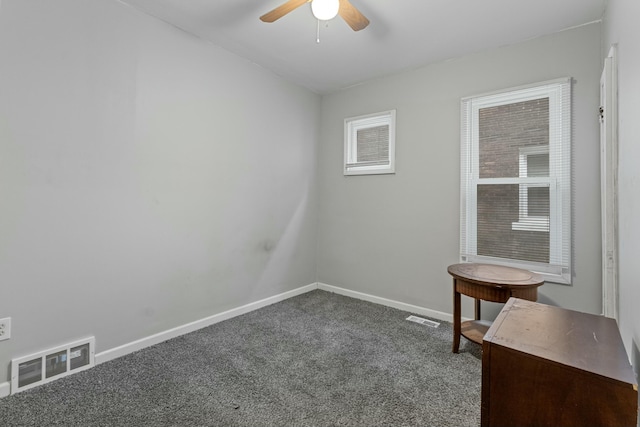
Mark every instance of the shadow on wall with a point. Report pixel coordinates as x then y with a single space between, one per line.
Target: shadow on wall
490 310
543 299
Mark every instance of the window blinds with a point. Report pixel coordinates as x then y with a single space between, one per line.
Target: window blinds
372 146
515 170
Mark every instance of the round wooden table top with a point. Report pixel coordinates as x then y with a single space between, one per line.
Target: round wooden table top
490 274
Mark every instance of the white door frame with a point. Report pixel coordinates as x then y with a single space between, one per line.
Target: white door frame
609 183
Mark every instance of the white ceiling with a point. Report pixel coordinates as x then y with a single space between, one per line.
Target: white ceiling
403 34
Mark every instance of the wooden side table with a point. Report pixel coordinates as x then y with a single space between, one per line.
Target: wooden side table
487 282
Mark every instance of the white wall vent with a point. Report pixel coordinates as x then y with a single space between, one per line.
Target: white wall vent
422 321
52 364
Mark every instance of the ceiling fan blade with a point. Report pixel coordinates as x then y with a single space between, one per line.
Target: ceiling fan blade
282 10
356 20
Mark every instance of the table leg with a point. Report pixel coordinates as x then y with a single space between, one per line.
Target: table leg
456 318
477 311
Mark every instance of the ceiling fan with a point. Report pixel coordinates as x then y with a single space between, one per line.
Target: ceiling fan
323 10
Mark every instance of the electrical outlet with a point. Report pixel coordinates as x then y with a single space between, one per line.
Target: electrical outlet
5 328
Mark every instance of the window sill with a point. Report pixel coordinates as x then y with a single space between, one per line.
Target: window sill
368 170
550 274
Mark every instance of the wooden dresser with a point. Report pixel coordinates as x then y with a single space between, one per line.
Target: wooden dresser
548 366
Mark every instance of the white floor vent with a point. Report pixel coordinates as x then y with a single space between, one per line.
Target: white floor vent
422 321
49 365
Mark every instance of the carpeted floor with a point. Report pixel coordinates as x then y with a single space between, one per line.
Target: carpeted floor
319 359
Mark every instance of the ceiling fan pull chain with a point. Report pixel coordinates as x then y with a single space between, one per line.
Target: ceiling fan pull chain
318 33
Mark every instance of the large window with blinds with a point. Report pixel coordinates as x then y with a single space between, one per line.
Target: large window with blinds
369 144
516 179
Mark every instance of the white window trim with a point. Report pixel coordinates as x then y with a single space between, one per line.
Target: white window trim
554 271
351 127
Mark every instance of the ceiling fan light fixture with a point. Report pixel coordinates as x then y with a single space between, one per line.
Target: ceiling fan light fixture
324 10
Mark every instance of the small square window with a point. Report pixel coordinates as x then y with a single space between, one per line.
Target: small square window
534 203
369 144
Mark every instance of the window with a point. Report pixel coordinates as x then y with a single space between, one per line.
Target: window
533 198
515 179
369 144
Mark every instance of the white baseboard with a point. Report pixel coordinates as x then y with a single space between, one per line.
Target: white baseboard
125 349
446 317
5 389
105 356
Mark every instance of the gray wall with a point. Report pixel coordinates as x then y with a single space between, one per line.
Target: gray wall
393 236
148 179
621 27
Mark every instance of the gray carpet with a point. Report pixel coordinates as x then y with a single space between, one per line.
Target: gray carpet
319 359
